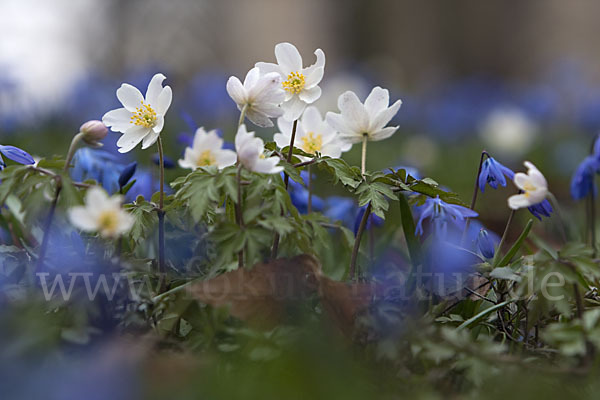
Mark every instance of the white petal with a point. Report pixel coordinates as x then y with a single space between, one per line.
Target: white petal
132 137
383 117
312 120
281 140
118 120
252 77
521 180
225 158
82 219
186 163
154 88
314 73
293 108
377 101
267 166
310 95
537 178
518 201
259 118
159 124
383 133
266 68
236 90
150 139
126 221
337 122
164 100
267 89
129 96
353 111
288 58
95 198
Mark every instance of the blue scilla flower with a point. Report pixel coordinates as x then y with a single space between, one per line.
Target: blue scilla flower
99 165
299 195
541 209
373 220
338 208
15 154
493 173
582 183
127 174
169 163
441 213
486 244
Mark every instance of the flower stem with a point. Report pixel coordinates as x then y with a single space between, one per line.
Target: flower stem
359 233
242 115
363 162
475 193
47 225
74 143
309 187
504 236
561 221
160 211
592 219
286 181
238 209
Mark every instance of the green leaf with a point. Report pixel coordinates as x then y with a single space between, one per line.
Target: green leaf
515 247
408 226
342 172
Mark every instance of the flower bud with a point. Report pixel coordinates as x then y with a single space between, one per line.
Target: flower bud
127 174
485 244
93 132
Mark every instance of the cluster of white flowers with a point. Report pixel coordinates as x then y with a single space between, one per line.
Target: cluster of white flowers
284 90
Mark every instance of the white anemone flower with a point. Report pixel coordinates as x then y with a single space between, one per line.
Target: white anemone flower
358 120
534 187
250 151
313 134
207 150
102 214
142 118
300 84
262 96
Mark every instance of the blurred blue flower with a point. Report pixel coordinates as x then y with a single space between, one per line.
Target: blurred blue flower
127 174
412 171
486 244
339 208
169 163
99 165
441 213
373 220
299 195
450 266
15 154
146 184
492 173
582 183
541 209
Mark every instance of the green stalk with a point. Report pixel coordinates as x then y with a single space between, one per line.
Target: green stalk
161 213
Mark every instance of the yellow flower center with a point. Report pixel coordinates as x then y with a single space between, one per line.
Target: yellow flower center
311 143
528 187
295 83
108 221
144 115
206 159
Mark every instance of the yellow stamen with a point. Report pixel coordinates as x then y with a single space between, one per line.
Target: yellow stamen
206 159
311 143
144 115
295 83
108 221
